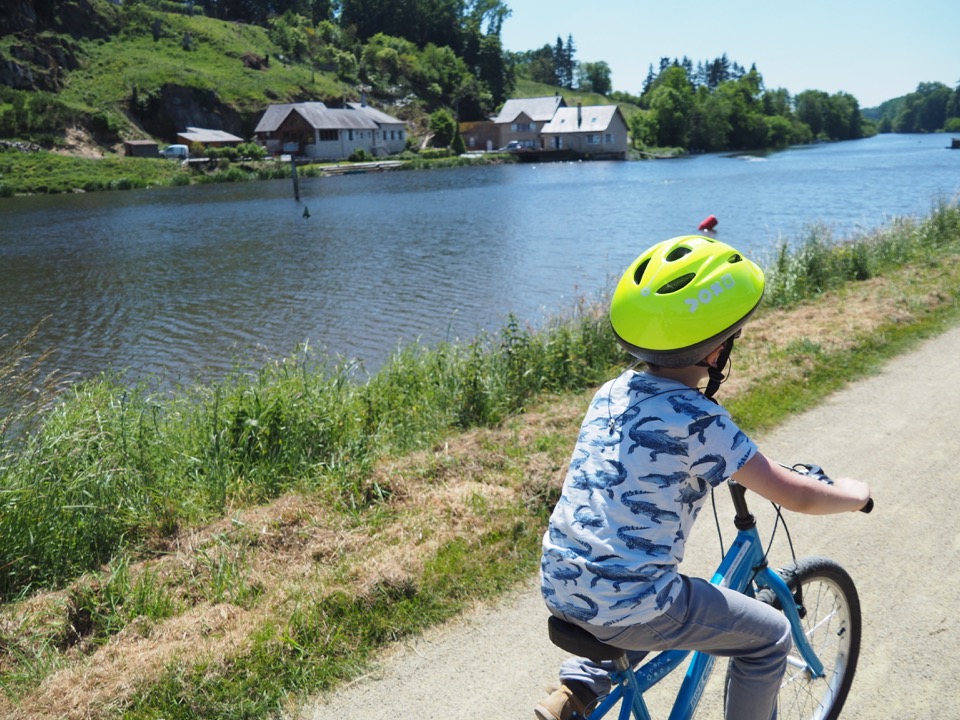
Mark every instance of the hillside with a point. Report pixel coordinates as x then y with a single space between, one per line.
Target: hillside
130 72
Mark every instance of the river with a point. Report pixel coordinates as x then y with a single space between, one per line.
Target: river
175 284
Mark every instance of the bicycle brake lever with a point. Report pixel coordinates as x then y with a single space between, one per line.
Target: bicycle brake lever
814 471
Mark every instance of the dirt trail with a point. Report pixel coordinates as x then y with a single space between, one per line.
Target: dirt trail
899 430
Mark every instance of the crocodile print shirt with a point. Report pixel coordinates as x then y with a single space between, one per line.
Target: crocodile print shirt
648 452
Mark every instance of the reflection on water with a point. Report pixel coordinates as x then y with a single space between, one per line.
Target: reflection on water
178 281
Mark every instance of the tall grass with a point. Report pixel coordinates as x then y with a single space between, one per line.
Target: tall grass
820 262
110 467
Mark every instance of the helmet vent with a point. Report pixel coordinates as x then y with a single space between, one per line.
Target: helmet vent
638 273
735 258
676 284
678 253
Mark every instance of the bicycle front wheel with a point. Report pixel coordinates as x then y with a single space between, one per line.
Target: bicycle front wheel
829 609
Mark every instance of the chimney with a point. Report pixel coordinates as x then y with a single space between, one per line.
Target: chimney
579 113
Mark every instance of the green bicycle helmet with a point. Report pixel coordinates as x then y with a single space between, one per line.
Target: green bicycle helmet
683 298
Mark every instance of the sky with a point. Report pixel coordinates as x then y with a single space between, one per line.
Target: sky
876 50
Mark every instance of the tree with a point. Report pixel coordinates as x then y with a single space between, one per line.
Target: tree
387 60
538 65
440 75
718 71
709 121
925 110
811 109
564 63
594 77
444 128
648 81
670 103
643 129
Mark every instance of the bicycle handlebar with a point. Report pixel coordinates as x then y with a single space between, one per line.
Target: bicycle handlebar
816 472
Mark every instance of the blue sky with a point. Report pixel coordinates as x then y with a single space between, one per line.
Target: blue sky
875 50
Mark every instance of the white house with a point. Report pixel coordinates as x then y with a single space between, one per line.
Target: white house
316 131
595 130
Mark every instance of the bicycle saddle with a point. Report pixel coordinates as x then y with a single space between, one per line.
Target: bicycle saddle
574 639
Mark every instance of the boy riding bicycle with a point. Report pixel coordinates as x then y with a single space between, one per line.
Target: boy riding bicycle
651 446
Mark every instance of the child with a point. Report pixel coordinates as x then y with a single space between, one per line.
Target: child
650 448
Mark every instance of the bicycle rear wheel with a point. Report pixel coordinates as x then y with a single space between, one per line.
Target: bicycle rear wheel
829 609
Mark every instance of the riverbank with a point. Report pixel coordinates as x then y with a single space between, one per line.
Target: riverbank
277 531
28 170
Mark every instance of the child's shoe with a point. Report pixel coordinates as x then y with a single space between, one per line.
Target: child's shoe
563 704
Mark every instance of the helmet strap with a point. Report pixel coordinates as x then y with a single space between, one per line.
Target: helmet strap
715 372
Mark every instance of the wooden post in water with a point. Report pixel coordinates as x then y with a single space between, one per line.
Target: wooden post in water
296 181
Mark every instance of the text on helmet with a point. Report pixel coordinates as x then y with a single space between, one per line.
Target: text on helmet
709 293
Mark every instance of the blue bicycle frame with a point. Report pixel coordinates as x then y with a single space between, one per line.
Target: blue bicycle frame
742 566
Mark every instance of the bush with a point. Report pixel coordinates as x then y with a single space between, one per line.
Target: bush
226 153
252 151
360 155
435 153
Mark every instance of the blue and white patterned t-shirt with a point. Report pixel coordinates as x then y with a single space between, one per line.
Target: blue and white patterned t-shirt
648 452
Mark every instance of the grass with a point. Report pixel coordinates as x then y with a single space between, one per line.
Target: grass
214 60
304 517
48 172
45 172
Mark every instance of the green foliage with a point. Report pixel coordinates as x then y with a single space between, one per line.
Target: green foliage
42 172
34 116
931 107
595 77
720 106
927 109
444 128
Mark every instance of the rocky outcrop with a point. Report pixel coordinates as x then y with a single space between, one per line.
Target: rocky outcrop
77 18
44 34
172 108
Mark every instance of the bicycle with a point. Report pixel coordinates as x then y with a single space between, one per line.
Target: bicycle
818 597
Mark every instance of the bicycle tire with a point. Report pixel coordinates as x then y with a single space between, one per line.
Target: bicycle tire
829 609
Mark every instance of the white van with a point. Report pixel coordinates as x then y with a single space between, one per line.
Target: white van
175 152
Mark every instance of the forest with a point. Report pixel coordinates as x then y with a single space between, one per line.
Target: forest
434 56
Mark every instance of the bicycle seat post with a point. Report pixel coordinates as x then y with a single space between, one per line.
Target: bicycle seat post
744 519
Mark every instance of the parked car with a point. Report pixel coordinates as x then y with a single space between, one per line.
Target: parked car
512 146
175 152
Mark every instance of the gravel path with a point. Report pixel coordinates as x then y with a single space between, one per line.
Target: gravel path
900 430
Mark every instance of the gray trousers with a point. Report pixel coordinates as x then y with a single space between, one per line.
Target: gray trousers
716 621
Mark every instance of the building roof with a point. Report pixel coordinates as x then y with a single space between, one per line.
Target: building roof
353 117
540 109
205 136
378 116
592 118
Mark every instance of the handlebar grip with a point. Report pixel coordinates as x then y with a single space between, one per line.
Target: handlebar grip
868 507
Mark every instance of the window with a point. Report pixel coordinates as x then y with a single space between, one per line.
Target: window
350 135
608 139
593 139
524 127
328 135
